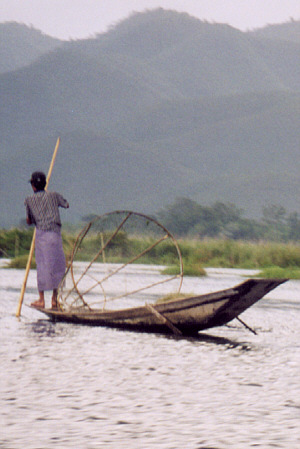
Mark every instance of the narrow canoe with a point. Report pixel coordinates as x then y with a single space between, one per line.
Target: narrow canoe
185 316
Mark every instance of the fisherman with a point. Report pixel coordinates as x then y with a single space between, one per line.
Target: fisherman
42 211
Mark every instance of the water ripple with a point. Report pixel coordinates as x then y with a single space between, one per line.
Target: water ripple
66 386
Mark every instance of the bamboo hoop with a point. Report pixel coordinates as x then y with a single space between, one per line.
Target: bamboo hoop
30 256
73 294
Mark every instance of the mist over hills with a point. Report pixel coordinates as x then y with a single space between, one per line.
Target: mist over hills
162 105
288 31
21 45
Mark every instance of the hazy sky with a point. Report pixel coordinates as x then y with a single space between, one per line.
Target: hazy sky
82 18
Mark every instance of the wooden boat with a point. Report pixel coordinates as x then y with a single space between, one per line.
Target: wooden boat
185 316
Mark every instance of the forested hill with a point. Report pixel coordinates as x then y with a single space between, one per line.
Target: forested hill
289 31
161 106
21 45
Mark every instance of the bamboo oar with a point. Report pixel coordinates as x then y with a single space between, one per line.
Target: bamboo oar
18 312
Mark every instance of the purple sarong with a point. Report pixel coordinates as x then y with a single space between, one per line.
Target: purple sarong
50 259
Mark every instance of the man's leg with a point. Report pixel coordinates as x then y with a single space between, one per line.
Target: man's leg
40 302
54 299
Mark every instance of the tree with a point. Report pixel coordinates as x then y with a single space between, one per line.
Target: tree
226 213
293 224
273 214
181 216
274 221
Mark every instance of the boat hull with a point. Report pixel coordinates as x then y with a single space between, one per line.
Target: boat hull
184 316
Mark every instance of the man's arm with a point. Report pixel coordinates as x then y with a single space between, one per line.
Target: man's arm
62 202
29 217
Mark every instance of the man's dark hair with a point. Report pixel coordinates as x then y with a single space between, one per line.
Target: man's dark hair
38 180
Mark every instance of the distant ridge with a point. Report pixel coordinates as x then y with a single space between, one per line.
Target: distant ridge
21 45
163 105
288 31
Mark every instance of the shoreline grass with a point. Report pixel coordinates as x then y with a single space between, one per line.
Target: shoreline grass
270 258
280 273
20 262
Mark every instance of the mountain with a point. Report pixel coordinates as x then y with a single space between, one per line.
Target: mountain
289 31
161 106
21 45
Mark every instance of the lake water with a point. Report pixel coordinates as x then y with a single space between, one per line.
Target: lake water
71 386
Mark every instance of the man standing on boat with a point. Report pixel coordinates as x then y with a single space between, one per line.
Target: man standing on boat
42 211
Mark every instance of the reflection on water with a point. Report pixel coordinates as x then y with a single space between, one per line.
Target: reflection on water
66 386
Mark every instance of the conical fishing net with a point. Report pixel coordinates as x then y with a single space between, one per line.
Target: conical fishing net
119 260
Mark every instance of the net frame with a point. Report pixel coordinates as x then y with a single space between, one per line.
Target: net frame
75 298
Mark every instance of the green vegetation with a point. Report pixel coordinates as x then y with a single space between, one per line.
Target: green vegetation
15 242
280 273
189 269
15 245
274 259
224 220
126 248
20 262
239 254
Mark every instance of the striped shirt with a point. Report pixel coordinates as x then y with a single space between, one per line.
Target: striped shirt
42 210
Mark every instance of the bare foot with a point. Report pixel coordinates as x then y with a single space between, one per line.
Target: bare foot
38 304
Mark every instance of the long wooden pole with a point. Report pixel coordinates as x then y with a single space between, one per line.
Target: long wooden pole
164 319
18 312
